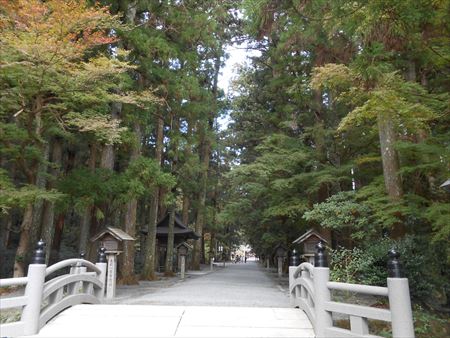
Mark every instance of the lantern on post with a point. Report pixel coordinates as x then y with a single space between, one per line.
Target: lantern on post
183 250
112 240
308 242
280 253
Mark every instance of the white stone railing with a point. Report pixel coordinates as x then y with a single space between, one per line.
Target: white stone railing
301 289
310 290
42 300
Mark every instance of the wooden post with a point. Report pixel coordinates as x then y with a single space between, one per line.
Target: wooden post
111 277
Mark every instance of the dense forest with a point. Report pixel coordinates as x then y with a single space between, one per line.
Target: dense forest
109 115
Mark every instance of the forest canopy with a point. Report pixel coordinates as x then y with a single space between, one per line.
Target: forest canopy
340 122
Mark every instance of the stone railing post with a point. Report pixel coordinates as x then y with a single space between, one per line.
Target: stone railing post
321 292
103 266
33 290
399 298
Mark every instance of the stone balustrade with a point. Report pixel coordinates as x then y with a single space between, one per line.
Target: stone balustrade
310 290
42 300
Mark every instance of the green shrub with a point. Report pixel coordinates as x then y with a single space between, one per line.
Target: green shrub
428 324
367 264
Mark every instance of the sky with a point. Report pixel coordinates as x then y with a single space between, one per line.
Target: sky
237 55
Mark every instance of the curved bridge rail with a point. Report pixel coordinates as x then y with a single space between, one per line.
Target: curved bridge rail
301 288
42 300
310 290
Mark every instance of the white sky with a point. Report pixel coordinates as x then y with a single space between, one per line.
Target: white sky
237 55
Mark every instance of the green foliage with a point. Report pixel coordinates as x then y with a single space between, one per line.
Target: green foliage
343 211
11 197
306 132
427 323
103 128
352 266
85 187
367 264
144 175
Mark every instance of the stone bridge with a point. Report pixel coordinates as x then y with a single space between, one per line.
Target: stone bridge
238 300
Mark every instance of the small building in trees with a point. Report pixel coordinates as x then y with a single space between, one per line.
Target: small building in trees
111 239
307 243
181 233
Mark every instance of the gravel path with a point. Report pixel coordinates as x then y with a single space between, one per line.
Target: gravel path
243 284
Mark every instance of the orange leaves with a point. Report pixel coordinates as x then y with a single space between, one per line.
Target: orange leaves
56 30
94 38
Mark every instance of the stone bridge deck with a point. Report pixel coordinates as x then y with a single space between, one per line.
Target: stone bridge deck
177 321
240 300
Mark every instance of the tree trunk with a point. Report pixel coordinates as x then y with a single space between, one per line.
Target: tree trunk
411 73
162 208
6 220
201 207
48 214
24 242
185 212
107 161
212 245
5 231
127 260
36 176
41 182
186 192
149 264
389 156
57 237
204 156
168 271
86 218
107 158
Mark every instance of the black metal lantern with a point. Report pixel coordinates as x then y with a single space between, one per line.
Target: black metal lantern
294 259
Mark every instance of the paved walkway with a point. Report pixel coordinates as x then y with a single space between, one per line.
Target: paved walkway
240 300
242 284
